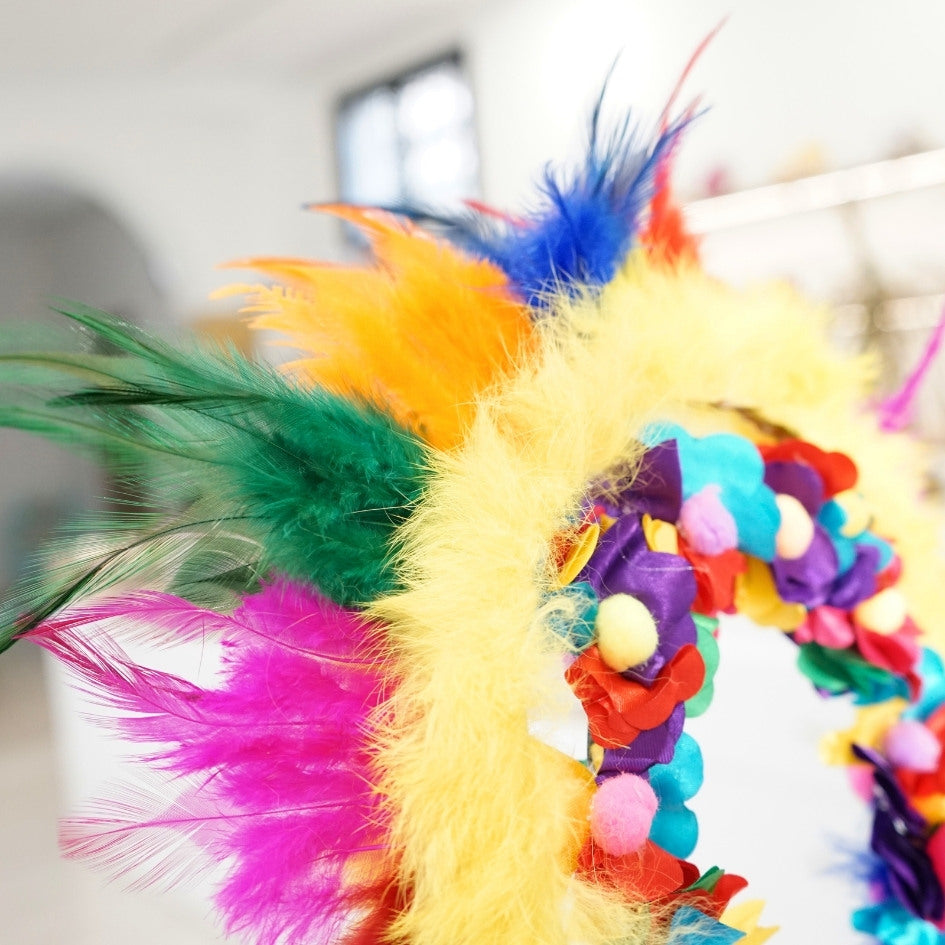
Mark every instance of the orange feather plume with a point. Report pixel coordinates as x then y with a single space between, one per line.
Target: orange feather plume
422 330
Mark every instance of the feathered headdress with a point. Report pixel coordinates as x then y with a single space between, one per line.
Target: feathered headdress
529 464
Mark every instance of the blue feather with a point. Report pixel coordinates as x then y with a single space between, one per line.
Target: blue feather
585 224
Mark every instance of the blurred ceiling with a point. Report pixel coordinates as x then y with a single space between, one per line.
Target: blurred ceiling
113 37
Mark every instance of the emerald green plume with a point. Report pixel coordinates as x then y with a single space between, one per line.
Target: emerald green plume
247 472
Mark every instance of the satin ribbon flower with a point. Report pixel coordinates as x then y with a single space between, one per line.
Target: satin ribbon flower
839 671
927 784
835 629
745 917
868 731
891 924
689 926
756 596
931 671
709 651
732 465
655 489
648 875
622 563
899 839
836 471
711 892
716 577
619 709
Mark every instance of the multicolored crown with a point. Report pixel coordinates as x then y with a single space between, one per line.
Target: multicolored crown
524 457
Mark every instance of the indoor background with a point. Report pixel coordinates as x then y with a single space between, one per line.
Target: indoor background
145 143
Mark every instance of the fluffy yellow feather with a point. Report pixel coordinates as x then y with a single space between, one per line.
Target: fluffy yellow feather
485 818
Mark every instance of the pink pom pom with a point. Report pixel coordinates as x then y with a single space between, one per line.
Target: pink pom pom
706 524
861 780
911 745
622 813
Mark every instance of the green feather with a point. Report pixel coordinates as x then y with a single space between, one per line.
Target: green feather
249 473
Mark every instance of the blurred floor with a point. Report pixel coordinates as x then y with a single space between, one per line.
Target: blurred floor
43 899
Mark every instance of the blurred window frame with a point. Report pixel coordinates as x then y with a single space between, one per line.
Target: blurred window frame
384 154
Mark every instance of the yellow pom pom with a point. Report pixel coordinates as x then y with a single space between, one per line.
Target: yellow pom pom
796 531
884 612
626 632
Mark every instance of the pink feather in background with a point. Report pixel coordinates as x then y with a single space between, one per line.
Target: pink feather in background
895 413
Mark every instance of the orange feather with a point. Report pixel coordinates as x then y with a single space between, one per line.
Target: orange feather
423 329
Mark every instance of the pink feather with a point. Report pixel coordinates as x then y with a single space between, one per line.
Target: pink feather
271 768
895 412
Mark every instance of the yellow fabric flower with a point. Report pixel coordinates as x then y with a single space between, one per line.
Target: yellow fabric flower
757 597
660 536
869 730
744 917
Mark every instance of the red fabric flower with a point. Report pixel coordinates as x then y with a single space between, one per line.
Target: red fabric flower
713 903
715 578
837 471
648 875
618 709
890 575
898 652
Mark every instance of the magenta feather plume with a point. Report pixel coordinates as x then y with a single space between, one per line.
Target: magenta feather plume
270 769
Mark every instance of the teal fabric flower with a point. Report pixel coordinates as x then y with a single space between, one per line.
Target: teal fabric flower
734 465
833 518
692 927
675 827
931 670
891 924
572 611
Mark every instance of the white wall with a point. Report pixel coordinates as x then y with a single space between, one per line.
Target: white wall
210 168
201 172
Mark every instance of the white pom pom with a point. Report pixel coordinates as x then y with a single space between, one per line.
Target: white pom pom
884 612
796 531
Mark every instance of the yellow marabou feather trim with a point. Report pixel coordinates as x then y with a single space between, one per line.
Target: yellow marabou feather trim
485 817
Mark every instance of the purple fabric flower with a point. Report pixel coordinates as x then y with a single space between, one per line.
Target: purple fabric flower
858 582
808 580
622 563
656 488
654 747
899 840
797 480
814 579
819 577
